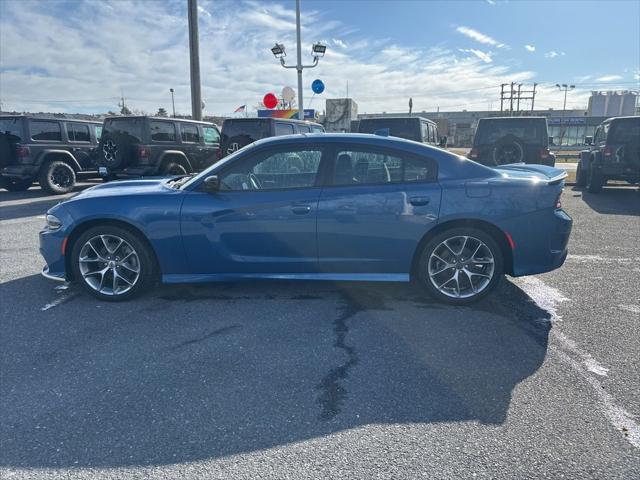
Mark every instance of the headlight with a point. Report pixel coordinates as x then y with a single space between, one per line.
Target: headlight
53 222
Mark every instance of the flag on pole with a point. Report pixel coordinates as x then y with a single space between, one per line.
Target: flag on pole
241 108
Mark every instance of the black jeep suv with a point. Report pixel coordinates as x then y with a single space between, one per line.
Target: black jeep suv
418 129
140 145
239 132
613 154
504 140
52 151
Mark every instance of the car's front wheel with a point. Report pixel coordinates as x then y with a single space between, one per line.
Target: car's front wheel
460 265
112 263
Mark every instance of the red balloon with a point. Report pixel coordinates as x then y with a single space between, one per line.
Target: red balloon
270 100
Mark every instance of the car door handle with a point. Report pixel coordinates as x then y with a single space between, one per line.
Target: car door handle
301 209
418 201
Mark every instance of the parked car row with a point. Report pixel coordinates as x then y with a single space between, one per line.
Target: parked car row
55 152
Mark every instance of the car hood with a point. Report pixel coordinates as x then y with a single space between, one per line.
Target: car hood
127 187
530 171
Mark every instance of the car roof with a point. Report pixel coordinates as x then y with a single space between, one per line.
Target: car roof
168 119
398 117
52 119
611 119
522 117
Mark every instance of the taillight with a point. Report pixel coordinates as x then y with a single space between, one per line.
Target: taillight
607 152
544 153
22 151
559 201
144 152
474 153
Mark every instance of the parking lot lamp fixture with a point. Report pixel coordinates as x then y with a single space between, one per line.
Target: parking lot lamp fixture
318 50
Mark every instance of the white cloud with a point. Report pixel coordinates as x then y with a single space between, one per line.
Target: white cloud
609 78
582 78
484 56
530 48
491 2
142 47
339 43
554 54
479 37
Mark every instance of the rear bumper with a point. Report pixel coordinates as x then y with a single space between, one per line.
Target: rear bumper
20 171
541 245
619 171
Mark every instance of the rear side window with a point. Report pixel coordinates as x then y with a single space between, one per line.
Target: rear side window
408 128
283 129
363 167
78 132
304 129
526 130
625 131
12 127
317 129
211 135
190 133
163 132
46 131
98 131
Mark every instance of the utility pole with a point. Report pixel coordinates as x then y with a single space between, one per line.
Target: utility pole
194 59
533 96
511 100
299 63
518 104
502 96
173 103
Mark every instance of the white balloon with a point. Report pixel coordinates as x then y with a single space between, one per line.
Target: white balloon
288 94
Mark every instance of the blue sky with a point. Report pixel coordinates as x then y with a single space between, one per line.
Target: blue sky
77 56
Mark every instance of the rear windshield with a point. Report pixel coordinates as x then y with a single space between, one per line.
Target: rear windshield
408 128
624 131
12 126
527 130
131 127
249 131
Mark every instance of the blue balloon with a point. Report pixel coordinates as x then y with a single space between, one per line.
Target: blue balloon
317 86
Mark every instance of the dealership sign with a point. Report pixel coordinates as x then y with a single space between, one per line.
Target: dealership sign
566 121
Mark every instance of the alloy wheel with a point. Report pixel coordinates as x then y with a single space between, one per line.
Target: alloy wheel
461 267
109 264
61 176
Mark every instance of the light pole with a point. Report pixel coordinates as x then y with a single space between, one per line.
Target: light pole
318 50
173 103
564 87
194 60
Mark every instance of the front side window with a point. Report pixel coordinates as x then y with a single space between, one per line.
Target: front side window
46 131
283 169
283 129
211 135
78 132
98 131
190 133
163 132
363 167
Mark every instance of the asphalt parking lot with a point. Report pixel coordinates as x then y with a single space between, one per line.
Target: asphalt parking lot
319 380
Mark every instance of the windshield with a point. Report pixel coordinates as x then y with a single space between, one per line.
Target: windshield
205 173
398 127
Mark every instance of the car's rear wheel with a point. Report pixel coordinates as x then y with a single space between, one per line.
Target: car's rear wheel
595 180
15 185
174 168
57 177
112 263
460 265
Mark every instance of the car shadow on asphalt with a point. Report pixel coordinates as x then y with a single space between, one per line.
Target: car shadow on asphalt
619 200
200 372
36 201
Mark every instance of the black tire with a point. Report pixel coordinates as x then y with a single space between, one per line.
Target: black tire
15 185
477 270
509 149
57 177
173 168
595 181
581 176
145 262
115 150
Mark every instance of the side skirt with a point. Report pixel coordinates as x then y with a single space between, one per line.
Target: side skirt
336 277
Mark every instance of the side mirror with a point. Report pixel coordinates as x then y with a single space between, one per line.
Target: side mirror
588 140
211 184
443 142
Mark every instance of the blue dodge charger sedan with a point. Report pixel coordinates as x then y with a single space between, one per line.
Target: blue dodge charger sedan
316 207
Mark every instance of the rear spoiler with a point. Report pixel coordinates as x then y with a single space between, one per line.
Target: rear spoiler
557 179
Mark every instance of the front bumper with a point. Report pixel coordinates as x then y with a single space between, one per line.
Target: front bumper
20 171
52 276
53 245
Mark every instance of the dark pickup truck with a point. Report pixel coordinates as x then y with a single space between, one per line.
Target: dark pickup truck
613 154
